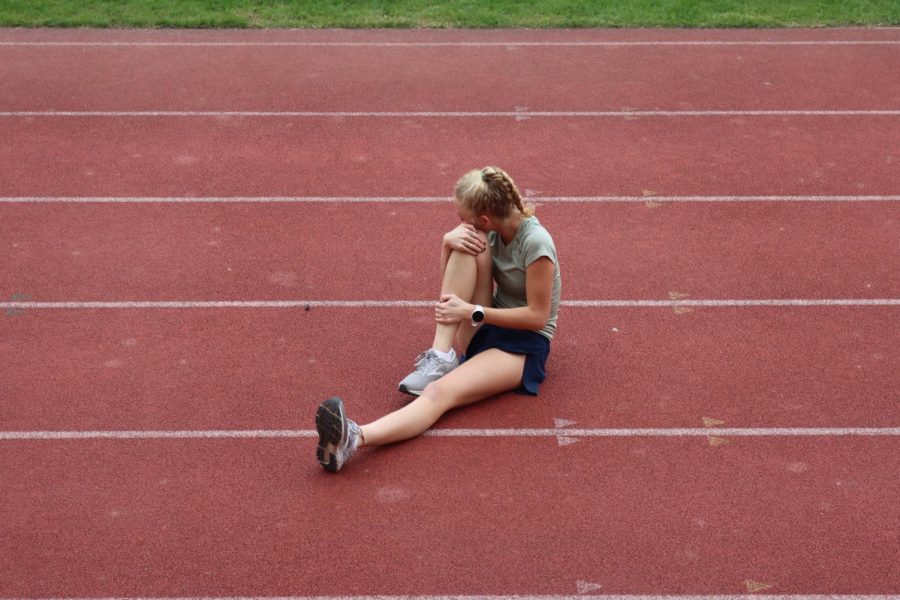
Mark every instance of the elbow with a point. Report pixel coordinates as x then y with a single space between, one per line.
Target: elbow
540 320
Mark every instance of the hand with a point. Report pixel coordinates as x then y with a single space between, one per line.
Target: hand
451 309
465 238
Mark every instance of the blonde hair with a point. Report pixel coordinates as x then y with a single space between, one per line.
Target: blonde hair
490 191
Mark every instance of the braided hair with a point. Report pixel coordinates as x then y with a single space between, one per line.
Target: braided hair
491 191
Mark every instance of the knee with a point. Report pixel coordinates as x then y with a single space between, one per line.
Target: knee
437 395
432 392
460 257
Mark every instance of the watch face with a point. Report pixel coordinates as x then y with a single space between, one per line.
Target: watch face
478 316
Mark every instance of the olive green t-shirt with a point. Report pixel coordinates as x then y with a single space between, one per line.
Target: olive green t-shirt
532 242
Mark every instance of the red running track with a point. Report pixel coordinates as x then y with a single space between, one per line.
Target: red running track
473 78
214 518
460 515
317 251
269 368
339 156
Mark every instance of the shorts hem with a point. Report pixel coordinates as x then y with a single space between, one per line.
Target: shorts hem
532 344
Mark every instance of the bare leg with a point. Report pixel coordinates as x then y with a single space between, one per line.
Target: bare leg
459 278
484 295
470 278
486 374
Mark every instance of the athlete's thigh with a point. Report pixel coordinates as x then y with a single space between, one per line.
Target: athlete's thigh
485 374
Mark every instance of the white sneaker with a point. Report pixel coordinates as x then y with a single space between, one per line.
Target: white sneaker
338 435
429 367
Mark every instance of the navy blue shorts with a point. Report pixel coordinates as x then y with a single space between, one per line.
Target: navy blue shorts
532 344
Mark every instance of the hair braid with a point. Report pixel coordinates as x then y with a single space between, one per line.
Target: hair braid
491 190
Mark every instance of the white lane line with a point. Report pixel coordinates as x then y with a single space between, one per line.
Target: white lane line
518 597
229 199
725 303
420 199
563 44
515 597
468 433
672 432
156 435
204 304
224 304
518 114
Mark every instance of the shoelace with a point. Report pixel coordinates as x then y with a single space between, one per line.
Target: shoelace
430 363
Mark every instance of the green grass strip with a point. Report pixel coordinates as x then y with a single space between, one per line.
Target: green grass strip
437 14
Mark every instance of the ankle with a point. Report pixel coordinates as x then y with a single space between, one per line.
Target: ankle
445 355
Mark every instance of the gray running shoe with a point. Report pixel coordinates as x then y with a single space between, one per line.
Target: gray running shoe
429 367
338 435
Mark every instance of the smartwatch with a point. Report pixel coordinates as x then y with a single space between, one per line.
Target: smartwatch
477 315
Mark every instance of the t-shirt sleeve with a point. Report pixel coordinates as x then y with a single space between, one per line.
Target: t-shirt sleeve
538 245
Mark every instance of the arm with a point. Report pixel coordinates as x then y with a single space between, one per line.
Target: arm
539 291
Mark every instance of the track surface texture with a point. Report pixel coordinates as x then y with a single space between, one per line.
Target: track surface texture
205 234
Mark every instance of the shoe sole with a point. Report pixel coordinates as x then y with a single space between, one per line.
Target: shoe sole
330 425
412 392
406 390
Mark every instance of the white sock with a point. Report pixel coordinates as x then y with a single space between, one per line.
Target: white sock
445 356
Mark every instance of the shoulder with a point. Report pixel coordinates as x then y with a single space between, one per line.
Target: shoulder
536 242
536 234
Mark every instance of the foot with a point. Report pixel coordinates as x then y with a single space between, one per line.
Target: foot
338 435
429 367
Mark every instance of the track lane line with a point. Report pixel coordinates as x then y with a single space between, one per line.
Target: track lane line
510 597
422 199
613 44
518 114
469 433
204 304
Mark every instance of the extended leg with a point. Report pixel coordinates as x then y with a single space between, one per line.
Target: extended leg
486 374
